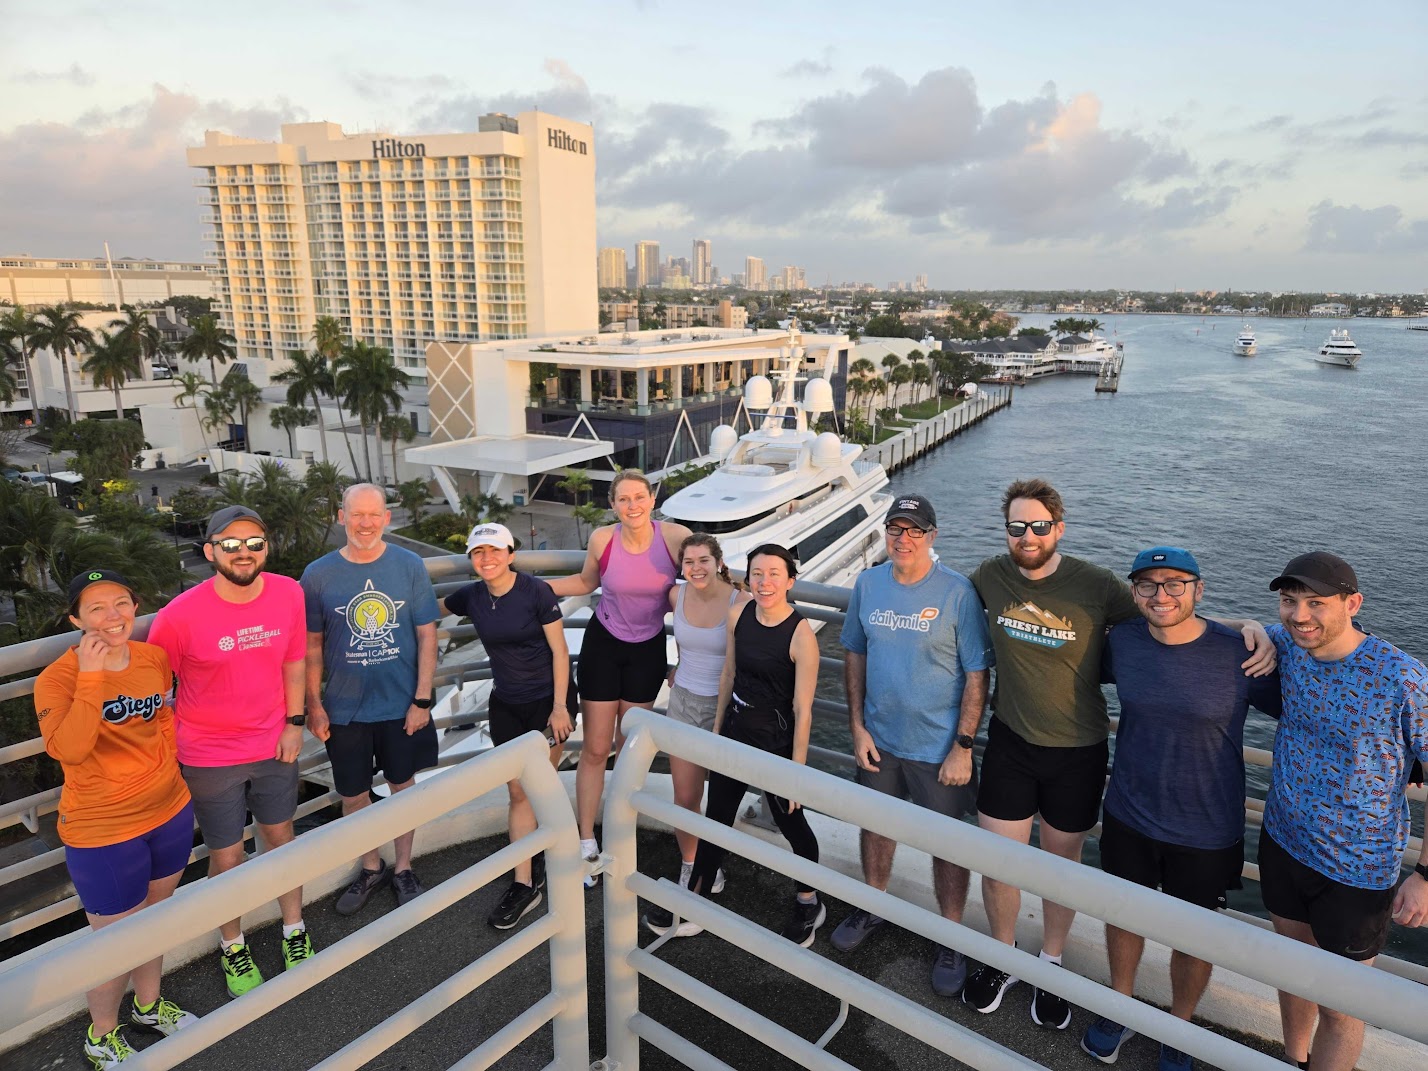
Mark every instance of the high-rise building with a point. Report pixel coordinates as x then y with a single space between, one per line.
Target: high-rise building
703 273
404 240
647 265
613 266
754 273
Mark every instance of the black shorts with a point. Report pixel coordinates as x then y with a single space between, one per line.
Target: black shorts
1062 784
612 669
1197 875
917 782
506 721
1346 921
361 748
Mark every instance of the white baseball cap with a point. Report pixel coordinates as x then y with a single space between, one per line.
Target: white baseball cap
490 535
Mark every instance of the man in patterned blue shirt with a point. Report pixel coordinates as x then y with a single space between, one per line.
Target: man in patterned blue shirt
1336 819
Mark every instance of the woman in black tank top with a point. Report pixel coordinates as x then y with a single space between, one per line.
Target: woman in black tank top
765 701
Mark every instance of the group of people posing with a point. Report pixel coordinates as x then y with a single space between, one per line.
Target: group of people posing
350 652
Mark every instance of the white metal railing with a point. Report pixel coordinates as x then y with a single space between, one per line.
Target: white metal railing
1378 998
33 988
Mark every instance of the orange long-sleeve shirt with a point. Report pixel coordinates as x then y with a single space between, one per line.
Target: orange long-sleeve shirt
114 737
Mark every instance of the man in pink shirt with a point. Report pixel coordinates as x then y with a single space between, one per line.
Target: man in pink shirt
237 644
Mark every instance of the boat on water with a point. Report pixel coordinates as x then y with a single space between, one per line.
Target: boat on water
1339 350
1245 345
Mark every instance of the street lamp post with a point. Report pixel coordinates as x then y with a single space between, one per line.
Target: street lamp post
531 517
174 518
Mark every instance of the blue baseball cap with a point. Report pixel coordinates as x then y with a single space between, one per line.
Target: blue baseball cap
1165 558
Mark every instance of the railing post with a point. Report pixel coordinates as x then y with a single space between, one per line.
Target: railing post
622 923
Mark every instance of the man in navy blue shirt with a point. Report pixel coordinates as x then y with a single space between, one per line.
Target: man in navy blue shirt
1174 812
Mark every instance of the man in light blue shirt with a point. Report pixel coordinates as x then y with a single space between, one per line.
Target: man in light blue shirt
918 659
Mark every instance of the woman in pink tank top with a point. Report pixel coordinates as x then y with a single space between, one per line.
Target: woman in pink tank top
622 656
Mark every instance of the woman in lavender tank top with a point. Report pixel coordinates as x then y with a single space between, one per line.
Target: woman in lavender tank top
622 657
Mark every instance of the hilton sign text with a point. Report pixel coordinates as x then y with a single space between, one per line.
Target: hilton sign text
391 147
559 139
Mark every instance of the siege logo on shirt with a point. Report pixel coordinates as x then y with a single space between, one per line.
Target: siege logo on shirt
121 709
372 618
918 622
1029 622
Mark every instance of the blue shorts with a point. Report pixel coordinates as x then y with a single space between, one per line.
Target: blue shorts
115 878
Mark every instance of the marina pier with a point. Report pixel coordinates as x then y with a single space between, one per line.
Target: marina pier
896 452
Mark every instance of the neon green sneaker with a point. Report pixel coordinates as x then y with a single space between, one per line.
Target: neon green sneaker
107 1052
165 1017
297 948
239 970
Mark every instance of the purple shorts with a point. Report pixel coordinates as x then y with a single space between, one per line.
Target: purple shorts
115 878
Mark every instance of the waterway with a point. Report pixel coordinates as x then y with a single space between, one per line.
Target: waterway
1247 461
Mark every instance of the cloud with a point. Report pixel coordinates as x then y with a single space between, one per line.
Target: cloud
118 175
1335 228
810 68
75 75
568 96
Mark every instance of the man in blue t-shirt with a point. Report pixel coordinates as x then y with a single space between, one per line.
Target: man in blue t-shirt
1174 813
371 624
1336 819
918 659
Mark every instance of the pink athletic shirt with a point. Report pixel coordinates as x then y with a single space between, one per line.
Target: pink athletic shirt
230 707
634 588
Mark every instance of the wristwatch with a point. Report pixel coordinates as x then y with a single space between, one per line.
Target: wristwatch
963 740
425 704
300 719
1422 871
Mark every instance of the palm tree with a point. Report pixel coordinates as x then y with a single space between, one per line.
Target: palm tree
289 418
9 354
136 326
191 395
394 427
112 361
58 330
327 341
245 396
210 343
921 375
309 376
367 380
412 496
18 327
1093 325
900 375
218 409
575 484
327 483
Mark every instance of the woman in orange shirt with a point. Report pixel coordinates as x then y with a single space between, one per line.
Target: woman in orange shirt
125 817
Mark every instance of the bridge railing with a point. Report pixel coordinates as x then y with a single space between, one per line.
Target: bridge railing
1383 1000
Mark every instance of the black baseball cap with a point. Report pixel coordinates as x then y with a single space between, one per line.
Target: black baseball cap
222 518
1321 572
84 579
914 508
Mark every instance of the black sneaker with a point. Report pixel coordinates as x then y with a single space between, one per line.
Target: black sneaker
519 901
363 886
407 886
985 988
855 929
804 922
1049 1010
538 870
658 920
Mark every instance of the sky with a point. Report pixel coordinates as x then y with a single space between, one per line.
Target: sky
1027 144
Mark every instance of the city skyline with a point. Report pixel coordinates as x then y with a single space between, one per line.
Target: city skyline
1038 152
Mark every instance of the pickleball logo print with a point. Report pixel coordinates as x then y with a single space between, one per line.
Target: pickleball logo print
225 643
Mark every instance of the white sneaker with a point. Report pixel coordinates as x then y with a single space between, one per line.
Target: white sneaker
718 885
687 869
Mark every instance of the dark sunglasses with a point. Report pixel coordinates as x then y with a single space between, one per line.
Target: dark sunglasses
1041 528
232 546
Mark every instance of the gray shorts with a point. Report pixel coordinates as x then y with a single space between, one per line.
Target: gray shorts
695 710
917 782
223 796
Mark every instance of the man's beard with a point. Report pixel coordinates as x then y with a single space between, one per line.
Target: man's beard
235 578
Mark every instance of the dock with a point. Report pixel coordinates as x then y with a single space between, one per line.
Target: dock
917 440
1108 380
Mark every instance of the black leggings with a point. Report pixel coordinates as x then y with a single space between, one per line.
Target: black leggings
751 727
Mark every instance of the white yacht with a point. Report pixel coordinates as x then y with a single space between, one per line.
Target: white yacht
1340 350
1245 344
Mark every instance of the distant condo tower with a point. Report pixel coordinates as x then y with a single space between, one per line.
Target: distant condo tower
465 237
647 265
613 266
703 273
754 273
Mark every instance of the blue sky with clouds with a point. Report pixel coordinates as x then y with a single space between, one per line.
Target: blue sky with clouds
1033 144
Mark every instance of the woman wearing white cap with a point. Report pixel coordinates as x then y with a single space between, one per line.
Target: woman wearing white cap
517 619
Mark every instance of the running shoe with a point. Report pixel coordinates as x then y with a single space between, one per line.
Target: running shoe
355 898
1050 1010
297 948
1104 1038
590 852
107 1052
520 899
164 1017
718 886
686 871
657 920
949 972
239 971
985 988
1174 1059
407 886
854 930
538 870
804 921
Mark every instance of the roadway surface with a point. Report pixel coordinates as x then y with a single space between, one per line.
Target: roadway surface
306 1030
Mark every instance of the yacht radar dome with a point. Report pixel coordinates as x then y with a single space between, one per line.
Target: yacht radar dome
758 393
818 396
722 440
827 450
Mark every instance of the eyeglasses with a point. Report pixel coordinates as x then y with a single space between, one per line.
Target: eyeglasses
1147 588
232 546
897 531
1041 528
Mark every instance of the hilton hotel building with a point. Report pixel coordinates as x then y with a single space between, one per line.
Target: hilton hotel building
407 239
